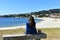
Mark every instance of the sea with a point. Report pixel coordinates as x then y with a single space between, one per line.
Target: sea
10 22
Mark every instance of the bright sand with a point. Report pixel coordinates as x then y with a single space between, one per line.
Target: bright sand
49 23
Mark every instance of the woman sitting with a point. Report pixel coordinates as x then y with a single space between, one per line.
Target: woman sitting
31 26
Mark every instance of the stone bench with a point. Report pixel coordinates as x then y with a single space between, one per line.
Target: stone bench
23 36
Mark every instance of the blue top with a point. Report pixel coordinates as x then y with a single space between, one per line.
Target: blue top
30 30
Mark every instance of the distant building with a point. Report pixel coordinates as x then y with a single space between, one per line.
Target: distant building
55 15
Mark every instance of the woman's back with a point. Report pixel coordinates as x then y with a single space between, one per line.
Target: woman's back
30 26
30 30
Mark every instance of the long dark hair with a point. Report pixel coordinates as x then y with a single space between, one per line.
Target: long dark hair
31 21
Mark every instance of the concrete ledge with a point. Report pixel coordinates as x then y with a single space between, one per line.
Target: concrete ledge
23 36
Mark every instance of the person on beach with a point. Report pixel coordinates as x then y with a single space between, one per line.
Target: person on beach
31 26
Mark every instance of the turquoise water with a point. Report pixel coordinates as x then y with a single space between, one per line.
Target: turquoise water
9 22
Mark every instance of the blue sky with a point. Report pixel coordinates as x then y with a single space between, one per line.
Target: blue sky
26 6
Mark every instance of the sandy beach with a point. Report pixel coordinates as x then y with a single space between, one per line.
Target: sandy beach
48 23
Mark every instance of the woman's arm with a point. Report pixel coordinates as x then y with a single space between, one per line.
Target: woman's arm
27 28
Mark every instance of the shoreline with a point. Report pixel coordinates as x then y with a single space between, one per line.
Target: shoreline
13 27
46 23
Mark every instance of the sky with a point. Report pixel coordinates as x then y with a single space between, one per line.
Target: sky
26 6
